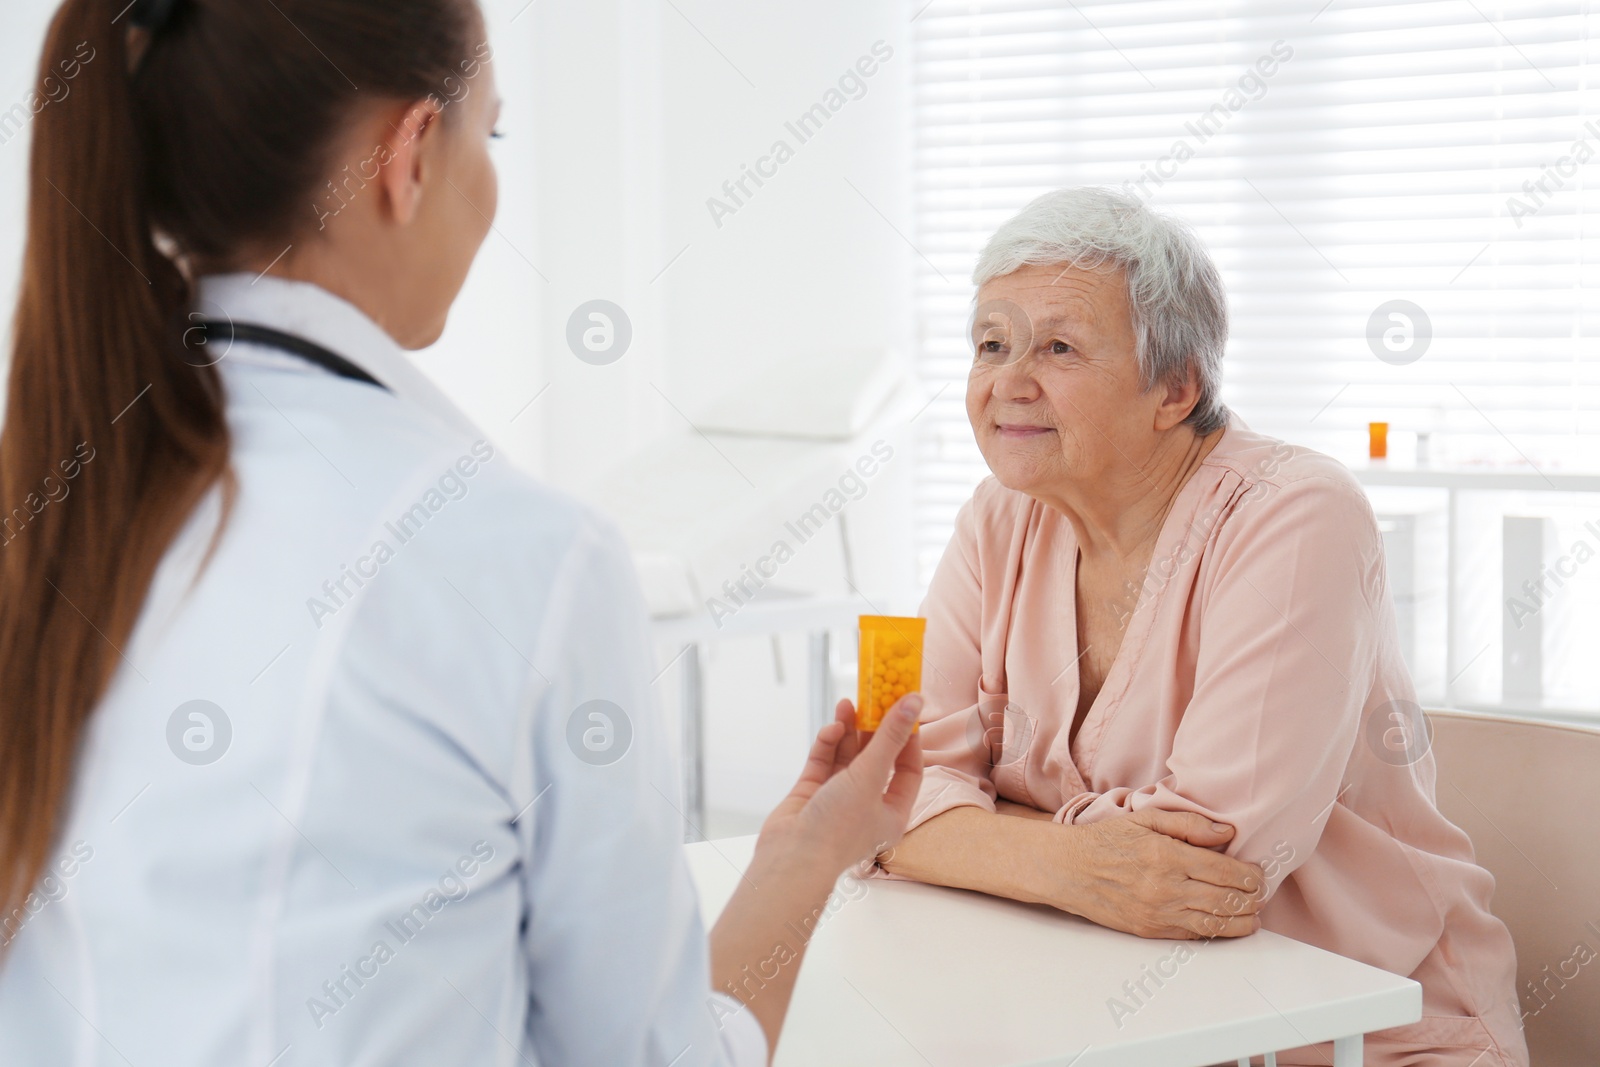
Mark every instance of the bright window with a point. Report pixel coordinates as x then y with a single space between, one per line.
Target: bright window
1336 162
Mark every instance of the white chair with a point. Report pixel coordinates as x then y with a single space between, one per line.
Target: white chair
1528 794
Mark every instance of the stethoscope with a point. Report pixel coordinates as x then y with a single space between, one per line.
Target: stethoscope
309 351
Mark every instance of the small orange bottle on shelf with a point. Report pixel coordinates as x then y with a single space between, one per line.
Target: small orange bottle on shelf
1377 440
890 665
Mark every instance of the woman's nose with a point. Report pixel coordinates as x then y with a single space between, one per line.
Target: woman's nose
1014 380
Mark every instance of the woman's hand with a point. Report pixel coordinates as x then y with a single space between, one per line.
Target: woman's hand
854 796
1153 873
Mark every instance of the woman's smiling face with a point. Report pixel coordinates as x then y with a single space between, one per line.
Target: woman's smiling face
1055 396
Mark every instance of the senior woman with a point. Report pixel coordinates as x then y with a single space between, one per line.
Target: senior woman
1150 609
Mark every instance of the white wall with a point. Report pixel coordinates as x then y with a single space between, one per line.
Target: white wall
644 109
641 114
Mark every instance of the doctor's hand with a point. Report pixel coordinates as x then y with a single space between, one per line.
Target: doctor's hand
854 796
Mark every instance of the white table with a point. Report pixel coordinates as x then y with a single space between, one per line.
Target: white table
908 975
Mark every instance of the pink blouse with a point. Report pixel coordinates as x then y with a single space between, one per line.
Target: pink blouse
1259 683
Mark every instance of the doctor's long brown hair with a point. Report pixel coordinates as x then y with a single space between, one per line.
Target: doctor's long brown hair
208 139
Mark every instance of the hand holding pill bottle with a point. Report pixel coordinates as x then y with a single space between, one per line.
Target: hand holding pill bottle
890 665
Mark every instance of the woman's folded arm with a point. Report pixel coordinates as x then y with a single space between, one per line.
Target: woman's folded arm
1152 874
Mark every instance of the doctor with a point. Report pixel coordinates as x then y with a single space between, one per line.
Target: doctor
326 737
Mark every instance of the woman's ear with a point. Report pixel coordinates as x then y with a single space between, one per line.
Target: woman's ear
1178 400
406 155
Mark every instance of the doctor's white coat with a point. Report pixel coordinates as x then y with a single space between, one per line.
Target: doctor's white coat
381 783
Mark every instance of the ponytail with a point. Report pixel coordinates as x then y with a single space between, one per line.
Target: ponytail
177 148
110 437
176 151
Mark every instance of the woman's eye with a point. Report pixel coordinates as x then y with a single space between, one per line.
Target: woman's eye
496 135
1059 348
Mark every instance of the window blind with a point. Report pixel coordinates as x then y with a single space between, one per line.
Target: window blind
1345 162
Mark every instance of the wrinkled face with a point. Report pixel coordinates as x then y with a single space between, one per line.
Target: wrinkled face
1054 396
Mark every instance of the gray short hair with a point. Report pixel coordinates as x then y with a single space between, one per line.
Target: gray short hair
1180 309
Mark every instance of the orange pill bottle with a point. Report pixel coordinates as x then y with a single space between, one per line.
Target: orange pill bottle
890 665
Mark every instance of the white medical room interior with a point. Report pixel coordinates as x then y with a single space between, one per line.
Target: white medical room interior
727 299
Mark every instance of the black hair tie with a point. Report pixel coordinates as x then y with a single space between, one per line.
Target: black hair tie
152 15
